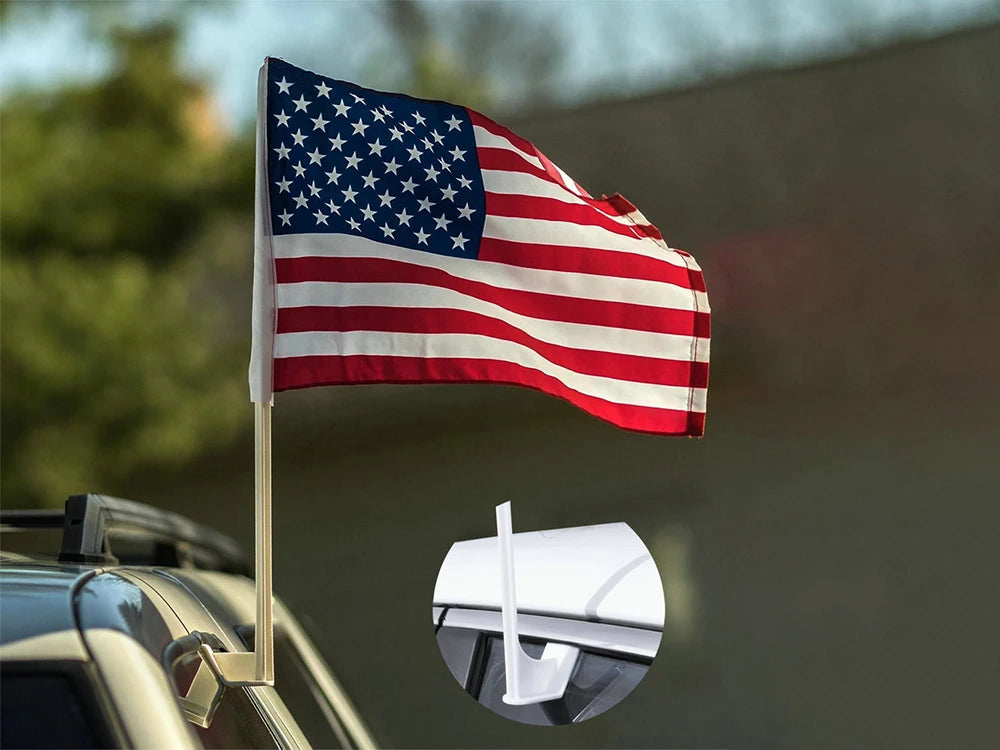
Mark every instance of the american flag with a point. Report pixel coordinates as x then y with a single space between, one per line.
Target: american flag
400 240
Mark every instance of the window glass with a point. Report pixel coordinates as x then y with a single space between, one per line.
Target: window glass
303 697
598 682
28 702
300 692
458 647
237 724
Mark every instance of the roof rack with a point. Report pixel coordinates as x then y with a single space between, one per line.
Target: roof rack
87 520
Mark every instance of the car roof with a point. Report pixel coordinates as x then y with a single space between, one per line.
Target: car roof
37 598
601 573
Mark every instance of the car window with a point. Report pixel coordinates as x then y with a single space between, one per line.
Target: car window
598 682
237 723
458 648
303 697
28 713
300 693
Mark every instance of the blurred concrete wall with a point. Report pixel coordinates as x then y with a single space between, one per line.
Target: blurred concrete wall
845 213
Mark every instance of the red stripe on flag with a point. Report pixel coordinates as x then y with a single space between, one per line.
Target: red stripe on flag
538 305
551 169
443 321
588 260
552 209
487 124
505 160
304 372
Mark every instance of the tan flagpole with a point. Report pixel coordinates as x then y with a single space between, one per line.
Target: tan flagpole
264 629
240 669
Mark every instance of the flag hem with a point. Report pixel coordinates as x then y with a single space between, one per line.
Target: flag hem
263 312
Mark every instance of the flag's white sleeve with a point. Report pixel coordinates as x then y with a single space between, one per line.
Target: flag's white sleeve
263 313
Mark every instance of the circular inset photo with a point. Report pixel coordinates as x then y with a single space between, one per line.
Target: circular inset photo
549 627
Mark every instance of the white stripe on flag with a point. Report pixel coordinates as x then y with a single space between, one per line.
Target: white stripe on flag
486 139
546 232
570 182
418 296
471 346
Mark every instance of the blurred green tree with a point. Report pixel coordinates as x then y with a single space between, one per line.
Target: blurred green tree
120 202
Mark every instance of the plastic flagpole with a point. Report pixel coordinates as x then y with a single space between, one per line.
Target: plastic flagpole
264 628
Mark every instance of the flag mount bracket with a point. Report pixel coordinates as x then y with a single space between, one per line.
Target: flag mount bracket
233 669
529 680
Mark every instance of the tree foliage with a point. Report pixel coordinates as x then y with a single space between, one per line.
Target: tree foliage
113 357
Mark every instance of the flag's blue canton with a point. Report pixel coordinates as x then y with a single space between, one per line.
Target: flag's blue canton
342 159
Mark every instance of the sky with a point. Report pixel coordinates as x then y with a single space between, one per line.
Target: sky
610 48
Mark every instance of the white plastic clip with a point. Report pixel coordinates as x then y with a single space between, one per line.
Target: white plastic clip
529 680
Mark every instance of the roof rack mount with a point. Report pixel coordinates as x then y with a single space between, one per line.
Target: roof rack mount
88 518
